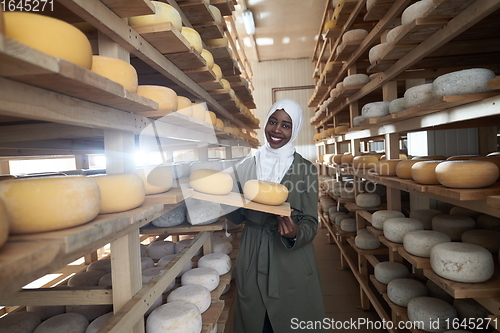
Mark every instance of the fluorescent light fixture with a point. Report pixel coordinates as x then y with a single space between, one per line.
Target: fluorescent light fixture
248 21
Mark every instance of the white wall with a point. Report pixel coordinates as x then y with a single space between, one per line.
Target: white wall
285 73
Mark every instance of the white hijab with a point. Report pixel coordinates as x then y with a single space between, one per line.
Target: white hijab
272 164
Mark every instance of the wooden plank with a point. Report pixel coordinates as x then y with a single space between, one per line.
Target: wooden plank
378 10
209 30
187 60
172 196
226 7
419 30
183 228
447 8
381 287
219 52
490 288
417 262
493 201
211 315
466 194
164 37
346 49
128 8
379 251
201 74
494 83
60 296
196 11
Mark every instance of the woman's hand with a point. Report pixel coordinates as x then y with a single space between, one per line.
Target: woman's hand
286 227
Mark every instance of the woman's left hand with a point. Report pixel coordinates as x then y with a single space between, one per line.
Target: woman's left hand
286 227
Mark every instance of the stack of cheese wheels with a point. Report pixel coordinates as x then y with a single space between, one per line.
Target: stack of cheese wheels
203 276
401 291
23 321
420 242
164 96
116 70
175 317
386 167
368 200
50 36
489 239
365 161
380 216
211 181
462 262
160 249
184 106
467 174
196 294
4 225
433 313
396 228
49 203
403 168
267 193
467 81
218 261
163 13
425 215
193 37
453 225
157 179
386 271
120 192
424 172
65 322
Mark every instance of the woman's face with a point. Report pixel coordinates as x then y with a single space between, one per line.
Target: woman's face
278 129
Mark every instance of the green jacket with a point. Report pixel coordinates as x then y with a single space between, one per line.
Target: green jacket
274 273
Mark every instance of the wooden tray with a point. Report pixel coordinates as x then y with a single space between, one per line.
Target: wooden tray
164 37
226 7
196 11
417 262
172 196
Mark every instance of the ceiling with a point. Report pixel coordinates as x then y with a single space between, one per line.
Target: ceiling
285 29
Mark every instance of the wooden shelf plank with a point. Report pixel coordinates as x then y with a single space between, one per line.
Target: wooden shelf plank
209 30
184 228
381 287
346 49
164 37
172 196
494 83
219 52
201 74
196 11
375 232
187 60
128 8
211 316
226 7
466 194
378 10
417 262
488 289
418 30
379 251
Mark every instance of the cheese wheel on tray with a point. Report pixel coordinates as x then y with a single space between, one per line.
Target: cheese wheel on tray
430 310
171 218
200 212
424 172
467 174
116 70
163 13
159 249
204 276
425 215
196 294
164 261
157 179
396 228
401 291
368 200
403 168
375 110
97 323
365 161
386 167
453 225
184 106
420 242
386 271
211 181
100 265
164 96
467 81
380 216
418 94
120 192
175 317
218 261
417 10
49 203
267 193
63 323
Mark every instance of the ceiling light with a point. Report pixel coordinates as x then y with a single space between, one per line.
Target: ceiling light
248 21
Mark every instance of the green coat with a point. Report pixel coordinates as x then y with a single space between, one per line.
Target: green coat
274 273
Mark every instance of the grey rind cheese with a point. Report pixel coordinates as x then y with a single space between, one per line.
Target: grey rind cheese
386 271
20 322
218 261
375 109
379 217
453 225
462 262
489 239
397 105
171 218
467 81
96 324
355 79
431 312
200 212
46 311
348 225
356 121
396 228
470 308
161 248
64 323
416 10
368 200
86 279
366 241
425 215
418 94
420 242
401 291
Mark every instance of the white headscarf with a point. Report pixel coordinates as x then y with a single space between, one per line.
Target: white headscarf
272 164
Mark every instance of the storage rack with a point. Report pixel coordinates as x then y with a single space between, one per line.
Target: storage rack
446 39
52 107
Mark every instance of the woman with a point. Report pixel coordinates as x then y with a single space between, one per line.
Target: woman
276 272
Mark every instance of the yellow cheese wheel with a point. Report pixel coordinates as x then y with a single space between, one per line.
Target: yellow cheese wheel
216 14
401 157
157 179
340 129
461 157
184 106
424 172
164 96
467 174
264 192
120 192
347 159
337 159
4 225
364 161
217 42
219 123
209 58
211 117
226 86
199 111
163 13
116 70
403 169
217 71
193 37
211 181
386 167
49 35
49 203
433 157
493 159
329 25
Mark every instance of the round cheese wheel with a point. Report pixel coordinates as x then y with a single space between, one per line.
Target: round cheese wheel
264 192
355 80
417 10
403 169
453 225
341 129
347 159
368 200
461 157
386 271
337 159
97 323
420 242
386 167
65 322
211 181
394 33
20 322
462 262
91 312
488 222
380 216
157 179
348 224
196 294
356 121
433 313
425 215
222 246
366 241
203 276
397 105
470 308
116 70
327 158
184 106
175 317
100 265
365 161
424 172
330 24
107 280
4 225
211 118
168 258
216 14
163 13
347 192
396 228
218 261
49 203
146 262
217 71
492 159
208 56
199 111
193 37
164 96
120 192
159 249
401 291
375 110
467 174
171 218
202 212
467 81
339 218
489 239
457 210
354 35
212 165
376 52
86 279
217 42
418 94
50 36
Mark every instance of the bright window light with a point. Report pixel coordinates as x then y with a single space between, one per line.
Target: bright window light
264 41
285 40
22 167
